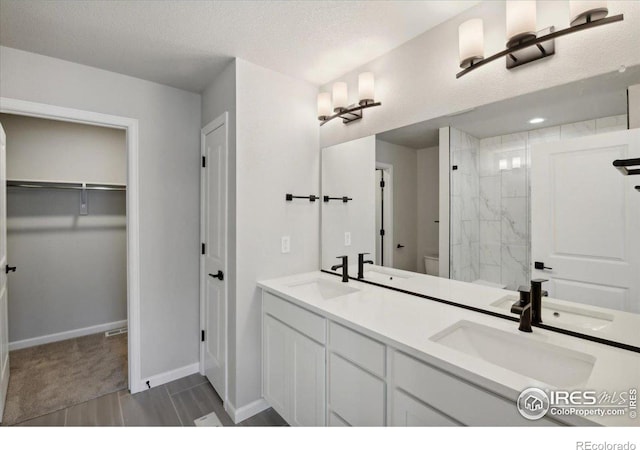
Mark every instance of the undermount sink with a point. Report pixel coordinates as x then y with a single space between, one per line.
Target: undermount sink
564 315
548 363
382 276
320 288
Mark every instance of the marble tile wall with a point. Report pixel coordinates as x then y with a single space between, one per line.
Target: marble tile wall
465 217
503 197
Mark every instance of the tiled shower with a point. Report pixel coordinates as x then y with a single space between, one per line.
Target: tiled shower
490 196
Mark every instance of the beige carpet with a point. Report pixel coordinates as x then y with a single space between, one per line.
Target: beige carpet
54 376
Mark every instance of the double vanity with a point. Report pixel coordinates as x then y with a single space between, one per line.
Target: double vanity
357 354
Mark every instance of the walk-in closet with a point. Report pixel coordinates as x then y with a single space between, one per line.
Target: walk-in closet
66 238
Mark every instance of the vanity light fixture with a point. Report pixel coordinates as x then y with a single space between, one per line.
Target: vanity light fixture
340 104
537 120
524 43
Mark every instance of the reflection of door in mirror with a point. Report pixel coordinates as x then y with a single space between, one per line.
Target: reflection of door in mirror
384 214
585 221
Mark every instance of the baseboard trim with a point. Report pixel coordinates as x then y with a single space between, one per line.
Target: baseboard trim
169 376
246 411
32 342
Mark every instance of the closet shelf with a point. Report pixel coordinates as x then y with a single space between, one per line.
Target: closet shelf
31 184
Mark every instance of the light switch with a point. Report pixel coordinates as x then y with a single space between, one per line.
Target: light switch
285 244
347 238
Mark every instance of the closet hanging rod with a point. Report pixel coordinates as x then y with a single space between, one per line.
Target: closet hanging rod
63 185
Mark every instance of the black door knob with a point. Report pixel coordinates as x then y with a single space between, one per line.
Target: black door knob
8 269
219 275
539 265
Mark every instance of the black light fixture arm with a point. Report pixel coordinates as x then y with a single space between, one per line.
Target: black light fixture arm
540 39
351 113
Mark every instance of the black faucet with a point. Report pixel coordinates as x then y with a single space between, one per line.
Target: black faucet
536 300
345 268
361 263
523 308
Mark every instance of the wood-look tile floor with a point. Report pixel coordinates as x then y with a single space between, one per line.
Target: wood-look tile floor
177 403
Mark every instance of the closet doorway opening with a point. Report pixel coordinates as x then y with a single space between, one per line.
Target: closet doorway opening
72 233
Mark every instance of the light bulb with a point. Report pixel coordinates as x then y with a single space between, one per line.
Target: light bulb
470 42
340 97
324 105
366 85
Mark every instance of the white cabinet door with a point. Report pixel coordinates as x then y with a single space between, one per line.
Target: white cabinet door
293 374
307 381
585 217
275 365
410 412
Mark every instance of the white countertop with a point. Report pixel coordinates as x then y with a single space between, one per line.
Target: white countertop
624 327
407 322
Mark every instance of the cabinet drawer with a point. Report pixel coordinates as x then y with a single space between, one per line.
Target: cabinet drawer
456 398
358 348
354 394
298 318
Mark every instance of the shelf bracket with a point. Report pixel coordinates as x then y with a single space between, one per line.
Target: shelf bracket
84 200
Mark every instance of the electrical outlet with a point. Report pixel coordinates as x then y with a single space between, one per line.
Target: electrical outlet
285 244
347 238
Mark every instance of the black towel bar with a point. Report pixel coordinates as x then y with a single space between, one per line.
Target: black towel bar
312 198
623 166
343 199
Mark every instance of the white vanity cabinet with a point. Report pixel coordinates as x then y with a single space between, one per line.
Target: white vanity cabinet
357 385
293 361
319 372
424 395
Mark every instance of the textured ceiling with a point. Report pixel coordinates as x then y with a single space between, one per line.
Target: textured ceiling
186 43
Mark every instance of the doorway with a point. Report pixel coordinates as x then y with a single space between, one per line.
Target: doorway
384 214
214 251
130 128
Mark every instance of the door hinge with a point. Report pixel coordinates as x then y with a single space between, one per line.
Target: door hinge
204 161
454 168
381 232
202 335
382 184
202 248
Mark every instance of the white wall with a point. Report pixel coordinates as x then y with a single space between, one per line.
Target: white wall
348 170
417 82
428 181
276 153
405 218
72 269
169 134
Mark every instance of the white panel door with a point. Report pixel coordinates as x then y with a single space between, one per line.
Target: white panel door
585 220
214 258
4 314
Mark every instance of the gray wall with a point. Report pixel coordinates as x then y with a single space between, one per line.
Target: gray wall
169 147
428 204
72 268
405 219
